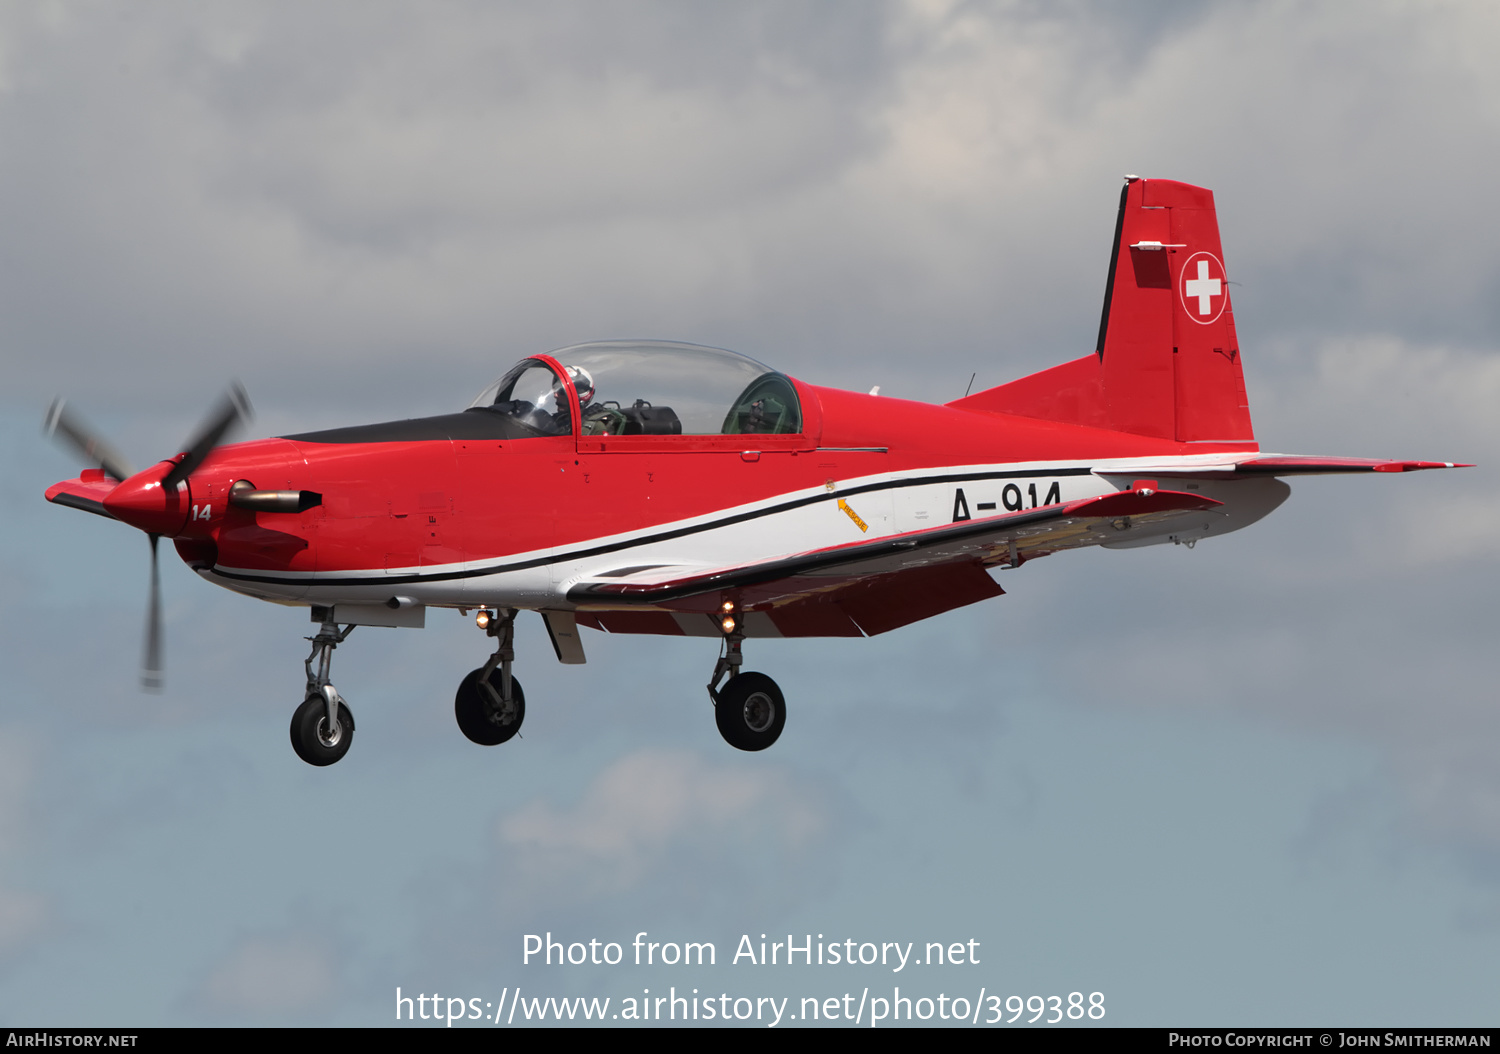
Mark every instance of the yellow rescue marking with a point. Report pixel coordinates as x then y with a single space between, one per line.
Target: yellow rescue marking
861 524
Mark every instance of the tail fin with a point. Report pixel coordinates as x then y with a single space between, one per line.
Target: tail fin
1167 362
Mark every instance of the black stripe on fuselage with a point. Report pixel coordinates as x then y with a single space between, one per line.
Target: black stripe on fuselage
474 423
662 536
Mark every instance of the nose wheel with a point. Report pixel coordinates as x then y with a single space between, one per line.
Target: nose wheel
323 727
315 740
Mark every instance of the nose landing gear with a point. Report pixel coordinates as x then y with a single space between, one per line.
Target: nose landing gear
749 710
490 705
323 727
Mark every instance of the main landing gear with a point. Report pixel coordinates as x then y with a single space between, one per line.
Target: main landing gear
322 727
749 709
490 705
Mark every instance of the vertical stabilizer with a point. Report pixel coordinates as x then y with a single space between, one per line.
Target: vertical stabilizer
1167 361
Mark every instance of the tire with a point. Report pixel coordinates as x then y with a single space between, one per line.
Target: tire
310 738
478 717
750 712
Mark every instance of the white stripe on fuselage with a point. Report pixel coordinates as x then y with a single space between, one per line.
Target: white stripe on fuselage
887 503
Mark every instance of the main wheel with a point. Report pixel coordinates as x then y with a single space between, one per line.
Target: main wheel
750 712
312 739
478 716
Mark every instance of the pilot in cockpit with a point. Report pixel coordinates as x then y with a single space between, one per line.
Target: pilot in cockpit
592 415
596 419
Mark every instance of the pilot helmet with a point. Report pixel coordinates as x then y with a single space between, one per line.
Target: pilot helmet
583 383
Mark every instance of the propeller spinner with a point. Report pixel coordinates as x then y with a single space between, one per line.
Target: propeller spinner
149 499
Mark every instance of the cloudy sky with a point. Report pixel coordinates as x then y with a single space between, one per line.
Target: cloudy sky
1250 783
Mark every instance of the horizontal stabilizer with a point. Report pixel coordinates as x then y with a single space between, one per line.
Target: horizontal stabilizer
1272 465
1279 465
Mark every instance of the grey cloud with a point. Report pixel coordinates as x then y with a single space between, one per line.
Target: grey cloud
657 838
271 977
342 193
646 808
16 771
23 913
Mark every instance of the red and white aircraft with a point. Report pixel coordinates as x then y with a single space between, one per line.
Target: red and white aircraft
643 487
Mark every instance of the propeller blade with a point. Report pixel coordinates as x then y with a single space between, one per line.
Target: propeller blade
151 678
233 409
95 449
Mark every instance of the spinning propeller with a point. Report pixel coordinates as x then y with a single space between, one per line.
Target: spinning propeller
140 499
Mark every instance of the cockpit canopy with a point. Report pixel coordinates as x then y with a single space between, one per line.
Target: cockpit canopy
647 388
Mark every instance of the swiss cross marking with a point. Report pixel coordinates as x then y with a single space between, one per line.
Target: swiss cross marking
1202 287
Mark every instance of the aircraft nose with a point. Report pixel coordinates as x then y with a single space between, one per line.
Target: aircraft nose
143 502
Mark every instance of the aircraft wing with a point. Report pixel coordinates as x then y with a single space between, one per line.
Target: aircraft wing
882 583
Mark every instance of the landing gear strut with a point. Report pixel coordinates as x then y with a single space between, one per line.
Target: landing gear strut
490 705
322 727
749 709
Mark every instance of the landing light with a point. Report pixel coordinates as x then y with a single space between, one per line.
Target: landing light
482 620
727 623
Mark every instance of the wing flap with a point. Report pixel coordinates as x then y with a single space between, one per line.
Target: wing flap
887 602
823 607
